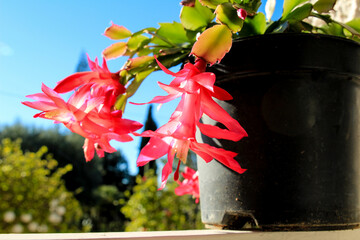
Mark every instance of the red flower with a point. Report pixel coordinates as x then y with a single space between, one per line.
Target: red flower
190 184
89 111
196 89
100 78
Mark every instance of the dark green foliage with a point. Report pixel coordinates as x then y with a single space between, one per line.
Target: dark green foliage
150 124
97 184
153 210
66 148
104 186
33 195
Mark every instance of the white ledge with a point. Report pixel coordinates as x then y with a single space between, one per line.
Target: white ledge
192 234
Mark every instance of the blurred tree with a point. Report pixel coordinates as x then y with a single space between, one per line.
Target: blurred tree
33 195
116 169
97 184
66 148
153 210
105 212
150 124
82 65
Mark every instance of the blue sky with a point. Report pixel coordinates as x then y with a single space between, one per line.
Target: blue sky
42 40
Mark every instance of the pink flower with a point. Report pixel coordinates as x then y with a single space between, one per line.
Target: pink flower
188 3
190 184
196 89
103 129
100 78
89 111
242 13
100 82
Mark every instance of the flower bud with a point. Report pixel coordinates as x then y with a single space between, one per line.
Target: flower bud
188 3
241 13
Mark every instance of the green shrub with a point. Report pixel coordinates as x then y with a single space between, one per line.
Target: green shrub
33 198
151 210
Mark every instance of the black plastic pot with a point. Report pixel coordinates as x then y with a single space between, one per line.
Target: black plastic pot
298 97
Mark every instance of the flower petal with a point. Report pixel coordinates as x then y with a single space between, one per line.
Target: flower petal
40 105
93 127
221 94
39 97
219 133
124 126
167 71
216 112
155 149
89 149
54 96
206 80
221 155
170 89
160 99
167 169
121 138
73 81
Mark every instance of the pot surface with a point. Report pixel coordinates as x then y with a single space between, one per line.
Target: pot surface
298 98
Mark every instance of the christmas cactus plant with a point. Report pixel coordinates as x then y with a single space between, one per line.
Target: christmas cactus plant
203 36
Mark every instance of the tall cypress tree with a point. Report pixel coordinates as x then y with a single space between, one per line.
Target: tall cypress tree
82 65
149 125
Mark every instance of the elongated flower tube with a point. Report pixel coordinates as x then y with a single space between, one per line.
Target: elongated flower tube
196 89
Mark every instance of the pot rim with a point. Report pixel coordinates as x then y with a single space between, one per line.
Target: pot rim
290 52
296 35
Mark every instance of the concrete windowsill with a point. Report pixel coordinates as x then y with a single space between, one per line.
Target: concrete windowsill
192 234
